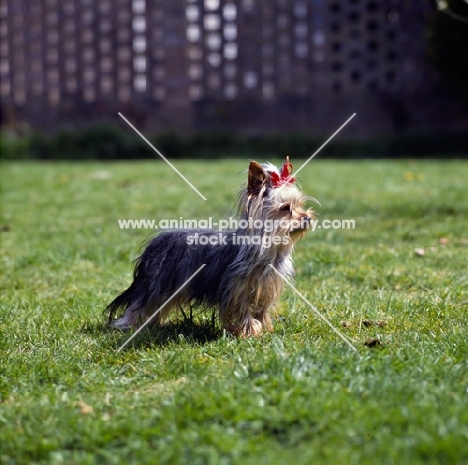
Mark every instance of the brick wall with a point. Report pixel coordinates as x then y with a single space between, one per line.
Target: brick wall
250 65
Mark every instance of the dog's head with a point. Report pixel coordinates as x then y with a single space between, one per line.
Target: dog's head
272 195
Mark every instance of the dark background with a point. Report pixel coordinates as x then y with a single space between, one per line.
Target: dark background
210 78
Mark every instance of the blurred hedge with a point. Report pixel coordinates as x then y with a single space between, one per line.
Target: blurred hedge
108 143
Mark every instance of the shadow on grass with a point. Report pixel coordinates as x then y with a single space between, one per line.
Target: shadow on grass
181 331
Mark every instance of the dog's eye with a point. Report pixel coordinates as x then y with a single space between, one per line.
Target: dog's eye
285 208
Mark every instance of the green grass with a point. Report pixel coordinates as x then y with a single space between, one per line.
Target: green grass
191 395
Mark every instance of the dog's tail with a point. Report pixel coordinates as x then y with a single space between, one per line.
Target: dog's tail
126 310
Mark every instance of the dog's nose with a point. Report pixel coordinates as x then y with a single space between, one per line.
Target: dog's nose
306 221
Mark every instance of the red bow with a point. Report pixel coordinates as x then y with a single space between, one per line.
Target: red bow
284 176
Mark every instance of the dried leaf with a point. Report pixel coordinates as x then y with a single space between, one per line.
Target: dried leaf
373 342
85 409
368 323
419 251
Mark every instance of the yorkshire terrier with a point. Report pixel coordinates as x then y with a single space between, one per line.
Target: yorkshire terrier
236 277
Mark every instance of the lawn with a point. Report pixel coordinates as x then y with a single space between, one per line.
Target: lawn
189 394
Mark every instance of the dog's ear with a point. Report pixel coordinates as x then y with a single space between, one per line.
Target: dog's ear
257 178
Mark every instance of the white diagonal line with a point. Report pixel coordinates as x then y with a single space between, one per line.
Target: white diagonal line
326 142
342 336
162 156
322 146
160 308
